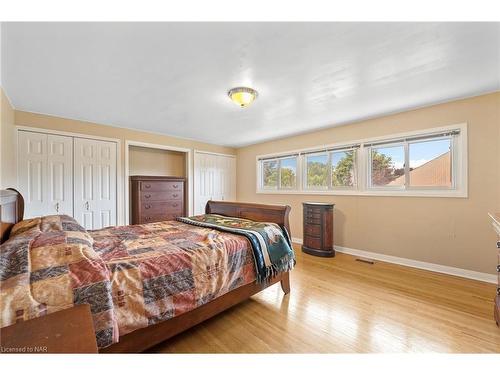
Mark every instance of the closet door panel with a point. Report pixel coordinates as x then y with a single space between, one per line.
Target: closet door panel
95 183
106 184
60 174
85 156
215 179
32 169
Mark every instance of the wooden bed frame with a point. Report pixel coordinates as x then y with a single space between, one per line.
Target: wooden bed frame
11 212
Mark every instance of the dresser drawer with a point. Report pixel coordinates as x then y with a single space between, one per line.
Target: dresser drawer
152 196
312 242
312 220
312 230
161 207
313 210
155 218
161 186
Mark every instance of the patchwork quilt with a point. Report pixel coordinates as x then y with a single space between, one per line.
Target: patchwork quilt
272 247
132 276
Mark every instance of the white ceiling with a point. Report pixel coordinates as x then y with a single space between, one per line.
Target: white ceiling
172 78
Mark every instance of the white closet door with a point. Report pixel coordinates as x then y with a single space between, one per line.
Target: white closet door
214 179
95 183
59 175
32 169
204 176
230 182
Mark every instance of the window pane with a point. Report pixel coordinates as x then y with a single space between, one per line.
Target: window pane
288 173
343 168
388 166
317 171
270 174
430 163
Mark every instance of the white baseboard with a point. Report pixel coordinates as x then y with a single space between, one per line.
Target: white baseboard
468 274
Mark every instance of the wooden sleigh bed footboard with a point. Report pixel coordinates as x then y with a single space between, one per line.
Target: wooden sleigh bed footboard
11 212
145 338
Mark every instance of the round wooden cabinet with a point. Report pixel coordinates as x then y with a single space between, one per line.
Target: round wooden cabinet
318 229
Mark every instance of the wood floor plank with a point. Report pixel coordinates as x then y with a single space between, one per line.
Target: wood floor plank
339 305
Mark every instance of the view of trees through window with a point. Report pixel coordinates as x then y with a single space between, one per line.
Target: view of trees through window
317 171
387 166
288 175
335 169
282 170
343 168
429 162
270 173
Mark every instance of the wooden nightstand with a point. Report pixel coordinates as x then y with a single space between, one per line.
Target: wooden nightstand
65 331
318 229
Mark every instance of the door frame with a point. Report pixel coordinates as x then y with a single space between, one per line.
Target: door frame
188 172
120 213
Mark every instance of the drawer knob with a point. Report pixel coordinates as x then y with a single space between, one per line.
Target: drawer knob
175 205
175 186
147 186
147 196
175 195
148 217
498 268
147 207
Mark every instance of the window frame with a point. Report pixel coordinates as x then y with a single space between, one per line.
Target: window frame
362 166
304 171
278 159
369 184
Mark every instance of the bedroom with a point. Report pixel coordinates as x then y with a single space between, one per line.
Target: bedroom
244 187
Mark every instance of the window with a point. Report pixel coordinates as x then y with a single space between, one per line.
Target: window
387 166
430 163
424 163
317 171
279 173
421 162
343 168
270 174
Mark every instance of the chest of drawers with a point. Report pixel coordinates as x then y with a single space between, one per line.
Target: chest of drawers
318 229
156 198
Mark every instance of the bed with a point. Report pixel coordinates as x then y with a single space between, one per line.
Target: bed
144 283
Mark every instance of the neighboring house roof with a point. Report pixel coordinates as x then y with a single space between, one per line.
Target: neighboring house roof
436 172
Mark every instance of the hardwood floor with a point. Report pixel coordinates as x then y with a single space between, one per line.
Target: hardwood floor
339 305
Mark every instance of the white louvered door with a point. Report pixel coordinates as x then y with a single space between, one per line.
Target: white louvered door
45 173
214 179
95 183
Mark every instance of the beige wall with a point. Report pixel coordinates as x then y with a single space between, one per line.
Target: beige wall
448 231
61 124
155 162
7 143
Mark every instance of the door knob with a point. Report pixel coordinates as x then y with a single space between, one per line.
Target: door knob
87 206
57 207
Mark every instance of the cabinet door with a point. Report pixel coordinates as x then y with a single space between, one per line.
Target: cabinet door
95 183
60 175
32 172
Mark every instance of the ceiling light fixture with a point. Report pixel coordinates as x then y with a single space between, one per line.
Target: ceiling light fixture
243 96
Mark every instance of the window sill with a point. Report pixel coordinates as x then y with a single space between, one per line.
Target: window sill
374 193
